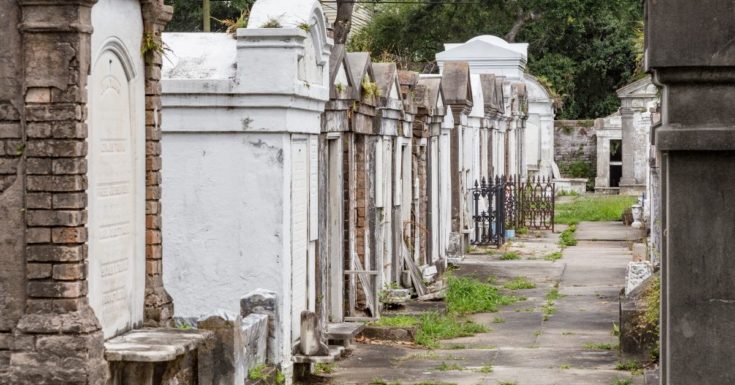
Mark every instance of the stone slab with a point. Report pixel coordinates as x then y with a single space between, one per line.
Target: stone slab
344 330
154 345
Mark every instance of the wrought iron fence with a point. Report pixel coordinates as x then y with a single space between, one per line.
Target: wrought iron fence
489 208
511 203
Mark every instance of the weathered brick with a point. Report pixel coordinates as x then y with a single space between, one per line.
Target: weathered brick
55 289
6 340
69 271
69 130
60 183
56 253
69 234
38 200
52 112
152 88
153 266
24 342
153 252
153 192
54 305
70 201
153 237
38 95
38 270
9 165
153 222
152 208
152 178
38 130
10 130
38 235
56 148
152 132
153 163
13 147
152 102
152 148
56 217
38 166
69 166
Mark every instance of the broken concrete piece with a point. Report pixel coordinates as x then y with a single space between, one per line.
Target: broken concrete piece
261 301
311 343
255 337
229 354
637 273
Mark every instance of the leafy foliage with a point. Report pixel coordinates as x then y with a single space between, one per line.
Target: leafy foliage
188 14
582 49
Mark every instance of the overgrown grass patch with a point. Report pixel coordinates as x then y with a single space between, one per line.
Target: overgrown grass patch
468 295
593 209
567 236
553 257
510 256
600 346
399 321
445 367
519 283
434 327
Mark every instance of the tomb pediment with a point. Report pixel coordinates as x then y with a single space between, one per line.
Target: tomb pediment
643 88
362 74
456 83
386 78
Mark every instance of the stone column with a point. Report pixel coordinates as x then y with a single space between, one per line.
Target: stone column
58 339
158 303
690 53
628 178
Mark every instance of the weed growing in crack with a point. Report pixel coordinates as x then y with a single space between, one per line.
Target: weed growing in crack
519 283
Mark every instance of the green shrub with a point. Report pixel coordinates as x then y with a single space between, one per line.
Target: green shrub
434 327
510 256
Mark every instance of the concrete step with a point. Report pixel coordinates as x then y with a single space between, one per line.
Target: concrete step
335 353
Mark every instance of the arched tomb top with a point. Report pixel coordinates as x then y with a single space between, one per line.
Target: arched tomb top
304 14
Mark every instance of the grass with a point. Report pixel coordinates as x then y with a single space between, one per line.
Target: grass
399 321
553 257
553 294
444 367
567 236
594 209
324 368
510 256
468 295
634 367
600 346
486 369
564 366
507 383
498 320
622 381
519 283
434 327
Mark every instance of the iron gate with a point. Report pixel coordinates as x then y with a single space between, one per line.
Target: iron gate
489 208
511 203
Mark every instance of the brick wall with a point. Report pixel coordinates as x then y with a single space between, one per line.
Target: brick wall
48 332
575 147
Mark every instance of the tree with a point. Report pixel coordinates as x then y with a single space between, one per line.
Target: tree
584 48
188 14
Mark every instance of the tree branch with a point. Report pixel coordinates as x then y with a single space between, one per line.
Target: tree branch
343 21
521 20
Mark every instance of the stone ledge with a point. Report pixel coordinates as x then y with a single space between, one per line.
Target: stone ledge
335 352
695 139
154 345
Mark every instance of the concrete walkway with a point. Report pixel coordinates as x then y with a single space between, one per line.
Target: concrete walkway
522 348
